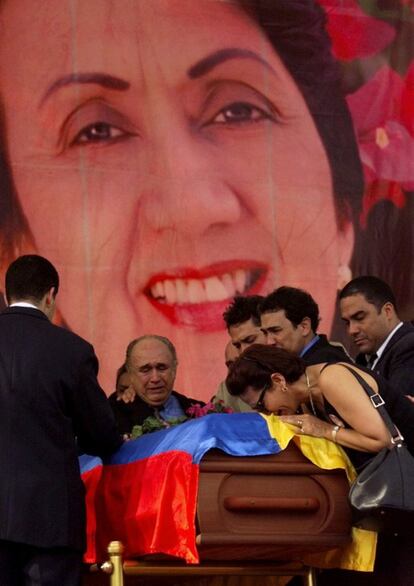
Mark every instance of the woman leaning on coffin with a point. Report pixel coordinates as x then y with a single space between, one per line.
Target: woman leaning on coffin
328 401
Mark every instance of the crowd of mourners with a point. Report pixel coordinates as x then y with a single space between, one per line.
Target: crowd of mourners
279 363
52 406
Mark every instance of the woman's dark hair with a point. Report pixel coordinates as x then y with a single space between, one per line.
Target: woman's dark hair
255 366
385 248
296 29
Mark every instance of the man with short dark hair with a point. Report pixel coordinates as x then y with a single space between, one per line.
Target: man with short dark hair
290 318
242 319
151 362
48 395
386 344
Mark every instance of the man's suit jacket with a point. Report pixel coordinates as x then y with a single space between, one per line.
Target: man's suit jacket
324 351
396 363
48 395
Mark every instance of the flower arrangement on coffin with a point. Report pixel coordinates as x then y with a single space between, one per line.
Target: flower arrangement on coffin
197 410
151 424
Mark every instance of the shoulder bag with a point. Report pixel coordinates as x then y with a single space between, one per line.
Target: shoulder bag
382 496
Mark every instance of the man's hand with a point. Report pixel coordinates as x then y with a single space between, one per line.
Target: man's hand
127 396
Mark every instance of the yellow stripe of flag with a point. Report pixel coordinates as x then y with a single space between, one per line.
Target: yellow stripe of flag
360 553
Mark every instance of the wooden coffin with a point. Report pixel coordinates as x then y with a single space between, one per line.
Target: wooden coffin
256 517
274 507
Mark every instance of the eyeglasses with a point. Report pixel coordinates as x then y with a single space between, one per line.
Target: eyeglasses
260 406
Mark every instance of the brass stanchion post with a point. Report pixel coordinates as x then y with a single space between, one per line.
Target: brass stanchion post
114 565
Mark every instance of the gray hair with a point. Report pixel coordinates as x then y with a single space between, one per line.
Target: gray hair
161 339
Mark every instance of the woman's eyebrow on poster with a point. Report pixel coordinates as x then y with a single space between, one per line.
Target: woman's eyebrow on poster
206 64
102 79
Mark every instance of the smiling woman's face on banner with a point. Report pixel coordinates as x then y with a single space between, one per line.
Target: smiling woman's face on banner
165 160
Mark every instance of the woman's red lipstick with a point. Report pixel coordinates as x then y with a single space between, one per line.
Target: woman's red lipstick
197 298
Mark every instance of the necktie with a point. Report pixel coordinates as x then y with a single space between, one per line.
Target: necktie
372 358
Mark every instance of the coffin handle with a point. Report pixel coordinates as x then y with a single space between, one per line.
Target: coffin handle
271 504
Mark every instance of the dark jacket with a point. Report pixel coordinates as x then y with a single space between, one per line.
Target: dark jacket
129 414
323 351
48 395
397 361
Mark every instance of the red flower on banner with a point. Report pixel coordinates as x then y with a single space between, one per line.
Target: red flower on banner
383 111
407 101
381 190
374 39
353 32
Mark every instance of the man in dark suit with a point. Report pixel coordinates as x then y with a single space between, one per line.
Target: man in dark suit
49 396
386 344
151 363
290 318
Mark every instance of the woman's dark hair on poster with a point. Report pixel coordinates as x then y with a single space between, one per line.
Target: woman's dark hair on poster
296 30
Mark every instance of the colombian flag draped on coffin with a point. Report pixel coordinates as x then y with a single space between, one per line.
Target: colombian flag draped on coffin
145 495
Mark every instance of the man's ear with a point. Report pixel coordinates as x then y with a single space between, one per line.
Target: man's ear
50 296
389 310
305 326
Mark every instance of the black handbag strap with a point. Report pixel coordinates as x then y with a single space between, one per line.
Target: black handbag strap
379 404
